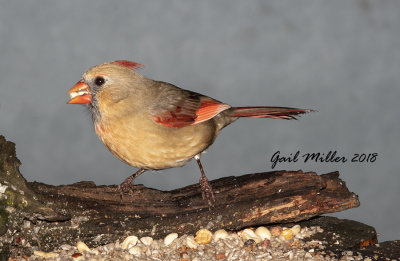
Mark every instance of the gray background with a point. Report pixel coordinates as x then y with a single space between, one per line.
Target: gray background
341 58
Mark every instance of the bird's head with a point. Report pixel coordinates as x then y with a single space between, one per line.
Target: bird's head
110 80
105 88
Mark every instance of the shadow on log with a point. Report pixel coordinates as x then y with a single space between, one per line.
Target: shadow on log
97 214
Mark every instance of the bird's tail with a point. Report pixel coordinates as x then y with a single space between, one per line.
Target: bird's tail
268 112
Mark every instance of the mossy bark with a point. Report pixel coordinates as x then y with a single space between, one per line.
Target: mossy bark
17 201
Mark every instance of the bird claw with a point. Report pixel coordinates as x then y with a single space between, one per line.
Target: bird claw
127 186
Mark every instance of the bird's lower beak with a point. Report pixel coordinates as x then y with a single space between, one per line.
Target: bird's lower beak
80 94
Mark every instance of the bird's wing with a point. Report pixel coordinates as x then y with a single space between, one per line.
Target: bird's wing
177 108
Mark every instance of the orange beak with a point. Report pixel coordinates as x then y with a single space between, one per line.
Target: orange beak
80 94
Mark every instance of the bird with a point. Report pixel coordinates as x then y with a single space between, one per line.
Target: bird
155 125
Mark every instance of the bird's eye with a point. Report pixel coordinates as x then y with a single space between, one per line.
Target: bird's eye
99 81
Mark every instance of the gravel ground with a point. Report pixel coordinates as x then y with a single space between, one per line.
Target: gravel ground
276 243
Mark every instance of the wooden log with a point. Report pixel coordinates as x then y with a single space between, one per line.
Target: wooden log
97 214
249 200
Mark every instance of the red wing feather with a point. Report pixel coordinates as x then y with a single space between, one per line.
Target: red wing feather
174 119
188 114
208 109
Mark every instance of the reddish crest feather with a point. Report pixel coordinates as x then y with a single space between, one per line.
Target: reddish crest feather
128 64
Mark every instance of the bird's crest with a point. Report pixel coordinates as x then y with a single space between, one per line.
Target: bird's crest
128 64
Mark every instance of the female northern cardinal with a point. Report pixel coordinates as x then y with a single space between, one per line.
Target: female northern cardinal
155 125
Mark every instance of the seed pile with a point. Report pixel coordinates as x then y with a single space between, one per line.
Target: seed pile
276 243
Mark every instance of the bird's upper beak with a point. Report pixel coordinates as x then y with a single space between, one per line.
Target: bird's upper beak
80 94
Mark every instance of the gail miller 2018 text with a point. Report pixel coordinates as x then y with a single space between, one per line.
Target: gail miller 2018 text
318 157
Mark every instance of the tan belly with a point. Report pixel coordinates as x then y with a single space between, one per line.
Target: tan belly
153 146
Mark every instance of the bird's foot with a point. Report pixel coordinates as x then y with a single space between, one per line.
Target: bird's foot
206 191
126 187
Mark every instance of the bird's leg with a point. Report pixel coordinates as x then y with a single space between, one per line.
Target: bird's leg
206 189
127 185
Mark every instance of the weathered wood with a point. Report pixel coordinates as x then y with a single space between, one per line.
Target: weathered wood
97 215
249 200
270 197
339 236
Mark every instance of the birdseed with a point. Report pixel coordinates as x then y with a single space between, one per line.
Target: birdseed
226 246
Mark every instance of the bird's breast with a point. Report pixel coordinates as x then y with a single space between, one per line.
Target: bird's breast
142 143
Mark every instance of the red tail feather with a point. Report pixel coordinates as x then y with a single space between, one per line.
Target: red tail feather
268 112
